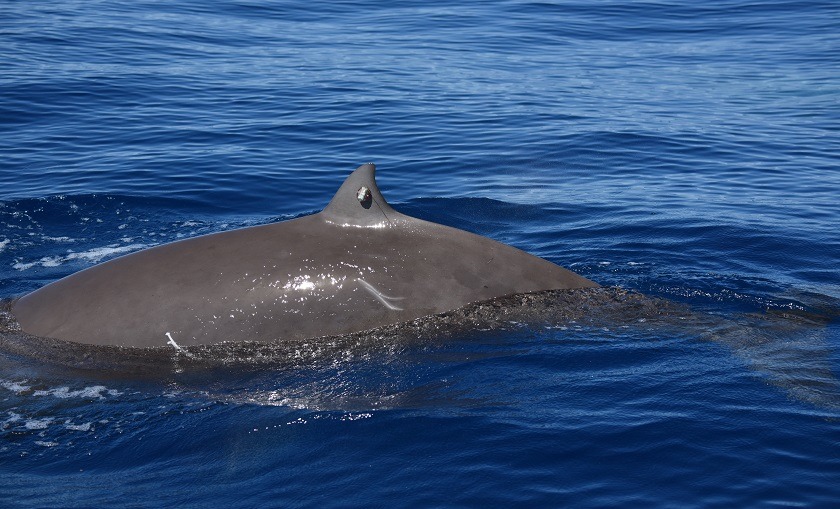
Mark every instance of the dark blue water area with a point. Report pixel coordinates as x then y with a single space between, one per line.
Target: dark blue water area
686 150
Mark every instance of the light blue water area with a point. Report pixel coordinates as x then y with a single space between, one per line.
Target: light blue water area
687 150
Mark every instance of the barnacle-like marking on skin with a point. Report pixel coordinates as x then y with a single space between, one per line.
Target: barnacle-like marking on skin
363 195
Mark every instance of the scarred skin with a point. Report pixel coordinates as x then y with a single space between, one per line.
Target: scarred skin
356 265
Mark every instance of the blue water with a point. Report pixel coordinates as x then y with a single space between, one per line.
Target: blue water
687 150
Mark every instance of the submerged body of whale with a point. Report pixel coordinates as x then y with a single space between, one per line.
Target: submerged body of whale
356 265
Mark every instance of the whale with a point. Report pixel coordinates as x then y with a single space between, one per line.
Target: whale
356 265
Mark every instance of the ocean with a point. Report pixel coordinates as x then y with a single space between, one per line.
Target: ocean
686 151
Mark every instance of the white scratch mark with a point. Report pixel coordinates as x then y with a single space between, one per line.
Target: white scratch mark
381 297
173 343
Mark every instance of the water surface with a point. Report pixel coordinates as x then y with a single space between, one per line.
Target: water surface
686 151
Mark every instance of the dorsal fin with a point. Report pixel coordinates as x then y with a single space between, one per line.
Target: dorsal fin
358 201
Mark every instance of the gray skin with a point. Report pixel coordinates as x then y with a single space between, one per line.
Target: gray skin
357 265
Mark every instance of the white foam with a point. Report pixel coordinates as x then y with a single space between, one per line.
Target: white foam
92 255
3 244
356 417
16 387
38 423
13 417
77 427
95 391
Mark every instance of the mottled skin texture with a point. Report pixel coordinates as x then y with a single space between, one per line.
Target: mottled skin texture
354 266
